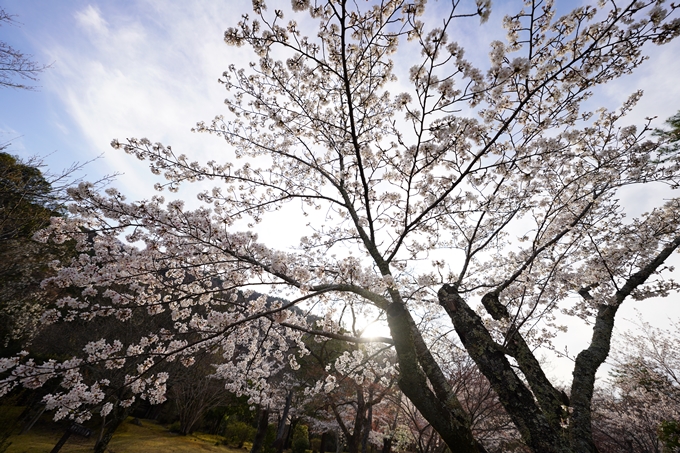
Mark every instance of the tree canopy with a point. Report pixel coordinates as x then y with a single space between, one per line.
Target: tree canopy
473 207
27 199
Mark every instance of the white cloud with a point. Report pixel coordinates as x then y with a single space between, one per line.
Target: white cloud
150 71
91 20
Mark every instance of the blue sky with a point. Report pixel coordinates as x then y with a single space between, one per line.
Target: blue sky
149 68
119 69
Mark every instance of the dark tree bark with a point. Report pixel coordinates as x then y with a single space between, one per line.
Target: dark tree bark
517 399
440 407
354 437
281 429
324 438
536 409
387 445
368 422
262 425
589 360
118 416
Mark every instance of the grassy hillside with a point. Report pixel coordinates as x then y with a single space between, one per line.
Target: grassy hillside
151 437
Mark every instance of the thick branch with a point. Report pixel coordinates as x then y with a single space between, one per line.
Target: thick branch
549 399
432 370
337 336
589 360
413 383
516 398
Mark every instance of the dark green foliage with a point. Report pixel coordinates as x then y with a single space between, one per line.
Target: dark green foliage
215 420
27 202
235 408
315 444
300 439
672 135
26 198
237 433
669 435
175 427
269 439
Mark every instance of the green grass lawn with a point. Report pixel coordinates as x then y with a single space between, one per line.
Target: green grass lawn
151 437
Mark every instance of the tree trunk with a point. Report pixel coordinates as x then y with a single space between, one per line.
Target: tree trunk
322 446
61 442
289 433
367 425
119 414
281 430
387 445
589 360
338 442
439 406
533 425
354 438
35 416
354 441
262 425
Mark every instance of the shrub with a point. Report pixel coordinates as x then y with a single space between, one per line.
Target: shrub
269 439
237 433
300 439
175 427
315 444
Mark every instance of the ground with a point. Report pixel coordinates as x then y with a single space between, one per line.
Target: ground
150 437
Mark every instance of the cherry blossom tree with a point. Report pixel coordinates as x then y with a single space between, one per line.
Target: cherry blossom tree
29 196
481 200
639 410
351 391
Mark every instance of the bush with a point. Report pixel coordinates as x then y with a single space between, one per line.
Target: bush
315 444
237 433
300 439
669 435
175 427
269 439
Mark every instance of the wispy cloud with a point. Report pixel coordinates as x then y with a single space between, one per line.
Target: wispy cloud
150 70
91 20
